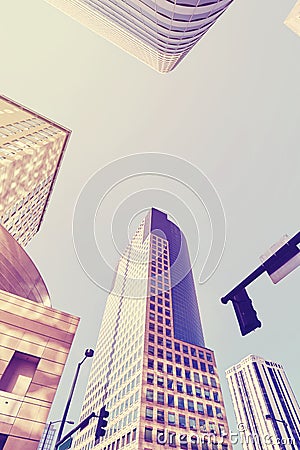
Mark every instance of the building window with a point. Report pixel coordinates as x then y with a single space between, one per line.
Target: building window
160 381
151 337
182 422
210 412
172 439
150 364
151 326
170 384
152 306
202 425
159 310
178 372
177 358
169 369
160 340
183 441
209 357
168 332
194 443
189 389
207 394
171 400
222 430
192 423
160 398
160 329
185 349
148 434
171 418
168 322
160 437
203 367
191 406
149 413
181 403
177 346
205 380
195 363
160 353
19 373
168 343
213 382
201 354
188 374
151 350
160 319
211 369
198 392
149 395
200 408
216 397
160 416
219 413
179 386
3 439
150 378
186 361
169 356
160 366
196 377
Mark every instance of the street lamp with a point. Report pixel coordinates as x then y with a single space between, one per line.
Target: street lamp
269 417
89 353
48 429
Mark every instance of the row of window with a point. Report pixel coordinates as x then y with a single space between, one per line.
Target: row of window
121 442
179 359
160 413
185 349
161 397
183 441
160 329
179 372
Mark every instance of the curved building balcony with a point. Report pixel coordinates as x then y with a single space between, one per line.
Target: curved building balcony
18 273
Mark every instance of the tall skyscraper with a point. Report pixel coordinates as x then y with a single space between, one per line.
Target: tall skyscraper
293 19
35 341
159 33
31 151
264 404
151 369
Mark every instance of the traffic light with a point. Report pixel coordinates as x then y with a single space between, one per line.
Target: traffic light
102 423
245 313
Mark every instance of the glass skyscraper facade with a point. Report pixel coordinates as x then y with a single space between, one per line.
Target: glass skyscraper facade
159 33
31 151
151 369
264 404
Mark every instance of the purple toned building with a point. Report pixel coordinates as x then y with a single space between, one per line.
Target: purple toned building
151 368
158 32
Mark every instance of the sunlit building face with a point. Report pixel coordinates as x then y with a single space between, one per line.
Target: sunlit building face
31 150
151 368
159 33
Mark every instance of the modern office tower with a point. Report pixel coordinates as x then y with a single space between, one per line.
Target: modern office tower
264 404
31 151
47 439
35 340
293 19
159 33
150 368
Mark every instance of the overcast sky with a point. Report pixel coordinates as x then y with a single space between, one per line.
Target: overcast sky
231 108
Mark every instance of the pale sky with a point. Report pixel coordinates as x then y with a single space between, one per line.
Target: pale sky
231 108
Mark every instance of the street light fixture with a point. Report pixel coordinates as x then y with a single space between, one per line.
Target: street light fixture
70 422
89 353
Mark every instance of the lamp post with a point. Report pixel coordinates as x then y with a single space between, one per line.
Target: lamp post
89 353
48 429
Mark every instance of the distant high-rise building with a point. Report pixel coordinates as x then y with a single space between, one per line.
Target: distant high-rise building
293 19
159 33
31 151
264 404
151 368
35 341
47 439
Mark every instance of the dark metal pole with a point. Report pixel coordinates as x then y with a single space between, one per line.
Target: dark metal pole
64 418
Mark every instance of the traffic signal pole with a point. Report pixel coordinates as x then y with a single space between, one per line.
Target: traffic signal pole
80 427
